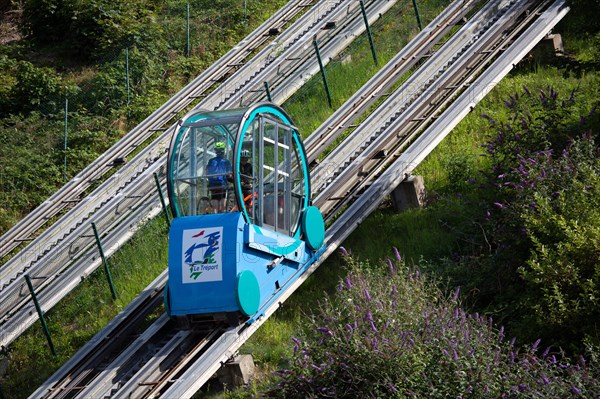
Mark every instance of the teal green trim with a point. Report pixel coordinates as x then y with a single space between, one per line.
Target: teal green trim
314 227
248 292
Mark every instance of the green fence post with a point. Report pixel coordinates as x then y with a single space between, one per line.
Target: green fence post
187 29
316 45
108 276
417 14
40 314
268 91
369 35
65 134
162 200
127 73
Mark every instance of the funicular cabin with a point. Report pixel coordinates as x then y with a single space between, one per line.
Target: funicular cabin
239 188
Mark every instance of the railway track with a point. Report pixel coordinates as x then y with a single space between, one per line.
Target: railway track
71 193
382 138
187 372
121 199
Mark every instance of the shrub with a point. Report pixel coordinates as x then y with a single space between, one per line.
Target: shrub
28 88
93 27
390 332
537 266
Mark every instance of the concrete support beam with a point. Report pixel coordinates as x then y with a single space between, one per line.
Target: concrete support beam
237 372
409 194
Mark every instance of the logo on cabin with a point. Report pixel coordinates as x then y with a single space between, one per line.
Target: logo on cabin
202 255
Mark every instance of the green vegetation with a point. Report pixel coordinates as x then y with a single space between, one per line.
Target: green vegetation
543 284
389 332
77 52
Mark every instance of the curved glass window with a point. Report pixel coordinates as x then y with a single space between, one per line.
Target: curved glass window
201 169
274 189
247 160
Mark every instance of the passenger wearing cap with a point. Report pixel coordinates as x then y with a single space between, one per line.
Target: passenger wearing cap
219 172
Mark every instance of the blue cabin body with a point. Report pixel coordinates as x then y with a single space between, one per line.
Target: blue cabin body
243 232
211 255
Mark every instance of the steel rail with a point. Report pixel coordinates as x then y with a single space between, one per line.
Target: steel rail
402 121
389 75
83 367
296 61
414 90
143 164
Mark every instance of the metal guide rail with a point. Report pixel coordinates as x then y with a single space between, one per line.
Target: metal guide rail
377 87
225 66
115 208
209 359
378 141
417 89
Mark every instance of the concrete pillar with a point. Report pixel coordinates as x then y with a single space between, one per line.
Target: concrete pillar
548 49
237 372
409 194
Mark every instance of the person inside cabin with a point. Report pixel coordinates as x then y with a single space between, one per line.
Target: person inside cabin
246 178
219 172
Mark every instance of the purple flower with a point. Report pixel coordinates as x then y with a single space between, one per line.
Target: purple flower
546 352
536 344
296 345
456 293
373 326
575 390
454 354
523 388
545 380
391 267
348 282
343 251
325 331
397 254
392 387
367 295
499 205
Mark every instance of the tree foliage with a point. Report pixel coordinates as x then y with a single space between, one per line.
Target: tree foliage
93 27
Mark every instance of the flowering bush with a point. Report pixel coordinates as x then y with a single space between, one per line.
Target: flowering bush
391 333
546 165
536 222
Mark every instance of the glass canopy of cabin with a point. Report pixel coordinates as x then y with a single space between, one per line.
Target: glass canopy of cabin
248 160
